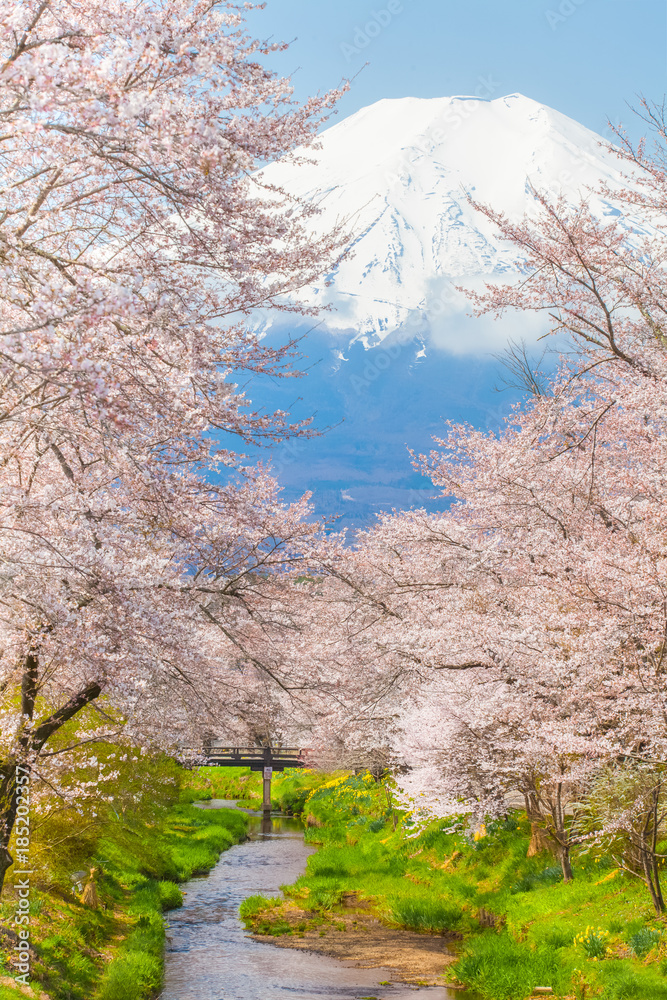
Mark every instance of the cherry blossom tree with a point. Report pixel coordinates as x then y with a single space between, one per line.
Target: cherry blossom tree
524 629
443 640
624 814
144 569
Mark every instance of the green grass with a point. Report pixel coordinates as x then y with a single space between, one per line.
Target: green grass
261 915
206 783
291 789
9 993
441 881
500 968
138 865
253 905
435 881
137 971
434 915
171 896
621 981
190 843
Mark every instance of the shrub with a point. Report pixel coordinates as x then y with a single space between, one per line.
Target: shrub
292 800
642 942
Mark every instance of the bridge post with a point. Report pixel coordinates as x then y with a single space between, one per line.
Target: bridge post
268 771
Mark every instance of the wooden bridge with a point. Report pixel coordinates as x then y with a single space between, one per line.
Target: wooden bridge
256 758
265 759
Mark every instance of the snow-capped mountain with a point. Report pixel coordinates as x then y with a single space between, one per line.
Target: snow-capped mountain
398 353
400 173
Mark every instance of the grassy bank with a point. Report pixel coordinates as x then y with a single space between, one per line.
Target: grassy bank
141 852
239 783
519 926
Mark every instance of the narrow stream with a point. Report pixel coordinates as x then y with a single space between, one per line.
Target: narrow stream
210 957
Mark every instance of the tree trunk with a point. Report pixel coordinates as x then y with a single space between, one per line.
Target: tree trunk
540 838
658 901
653 887
7 816
540 841
561 835
647 845
565 863
29 688
6 861
658 889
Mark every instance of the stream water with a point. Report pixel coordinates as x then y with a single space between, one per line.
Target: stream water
210 957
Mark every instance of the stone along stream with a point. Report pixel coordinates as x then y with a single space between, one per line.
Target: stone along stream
210 957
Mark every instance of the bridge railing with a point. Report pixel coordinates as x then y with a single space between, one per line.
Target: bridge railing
256 758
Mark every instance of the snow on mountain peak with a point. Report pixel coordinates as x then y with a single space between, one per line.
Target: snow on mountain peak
400 172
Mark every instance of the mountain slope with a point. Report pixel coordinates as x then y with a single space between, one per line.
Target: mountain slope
400 172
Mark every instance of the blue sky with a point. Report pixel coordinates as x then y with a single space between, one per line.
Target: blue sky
586 58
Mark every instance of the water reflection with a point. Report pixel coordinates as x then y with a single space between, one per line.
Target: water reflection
209 956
